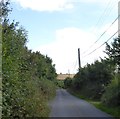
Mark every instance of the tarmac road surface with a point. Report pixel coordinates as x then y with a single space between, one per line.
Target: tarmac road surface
67 105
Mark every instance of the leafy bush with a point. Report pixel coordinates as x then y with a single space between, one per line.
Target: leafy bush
60 83
36 102
68 82
92 79
28 77
111 97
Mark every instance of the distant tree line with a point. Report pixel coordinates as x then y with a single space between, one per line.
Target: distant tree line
27 77
101 79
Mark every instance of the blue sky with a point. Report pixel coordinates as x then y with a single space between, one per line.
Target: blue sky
57 28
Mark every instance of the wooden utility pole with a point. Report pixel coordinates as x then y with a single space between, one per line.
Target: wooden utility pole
119 18
79 59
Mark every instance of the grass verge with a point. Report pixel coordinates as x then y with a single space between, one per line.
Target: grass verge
114 111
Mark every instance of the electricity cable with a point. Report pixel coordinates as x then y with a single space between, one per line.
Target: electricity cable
101 45
101 35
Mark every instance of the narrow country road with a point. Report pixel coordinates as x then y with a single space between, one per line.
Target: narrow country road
66 105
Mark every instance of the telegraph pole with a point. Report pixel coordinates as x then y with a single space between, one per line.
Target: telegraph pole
79 59
118 18
118 26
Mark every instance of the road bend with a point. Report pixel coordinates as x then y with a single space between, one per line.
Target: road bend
67 105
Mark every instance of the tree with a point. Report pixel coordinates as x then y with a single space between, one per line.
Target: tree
92 79
4 9
68 82
113 51
111 97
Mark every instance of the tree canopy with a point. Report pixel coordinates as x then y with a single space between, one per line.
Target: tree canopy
113 51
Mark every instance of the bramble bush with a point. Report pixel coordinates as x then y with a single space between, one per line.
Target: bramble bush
27 77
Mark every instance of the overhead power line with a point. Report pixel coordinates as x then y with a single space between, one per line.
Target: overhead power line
101 35
104 12
109 7
102 44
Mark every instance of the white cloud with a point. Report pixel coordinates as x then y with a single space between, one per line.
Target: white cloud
110 28
46 5
54 5
89 1
63 50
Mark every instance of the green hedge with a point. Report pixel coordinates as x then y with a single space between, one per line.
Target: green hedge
27 77
111 97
